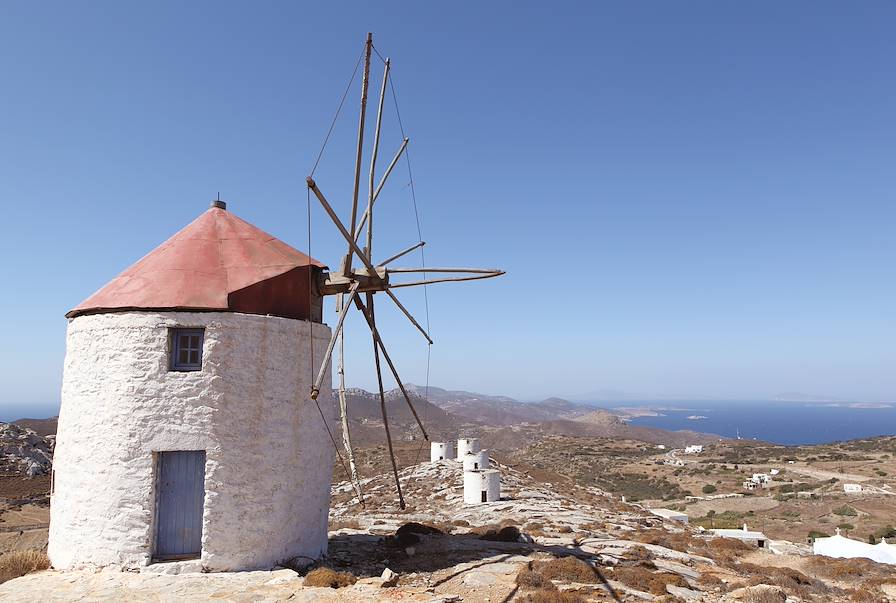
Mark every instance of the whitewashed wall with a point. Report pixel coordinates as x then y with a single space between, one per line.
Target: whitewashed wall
440 451
269 459
476 461
465 445
477 481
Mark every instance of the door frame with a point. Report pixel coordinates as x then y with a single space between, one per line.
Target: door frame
157 493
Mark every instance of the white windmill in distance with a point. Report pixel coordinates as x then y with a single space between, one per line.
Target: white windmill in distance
371 278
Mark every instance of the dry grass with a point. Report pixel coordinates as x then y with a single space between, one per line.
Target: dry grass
641 578
765 595
338 524
533 580
551 596
20 563
568 569
326 577
677 542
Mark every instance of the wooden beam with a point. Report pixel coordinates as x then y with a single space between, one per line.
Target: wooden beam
315 389
445 280
364 84
379 378
408 314
379 340
376 193
352 245
373 156
402 253
341 307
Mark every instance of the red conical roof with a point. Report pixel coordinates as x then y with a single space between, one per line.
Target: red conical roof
202 266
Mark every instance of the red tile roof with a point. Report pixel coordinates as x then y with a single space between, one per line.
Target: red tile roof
199 267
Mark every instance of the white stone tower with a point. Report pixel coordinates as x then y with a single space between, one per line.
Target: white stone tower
465 445
482 486
440 451
186 429
476 461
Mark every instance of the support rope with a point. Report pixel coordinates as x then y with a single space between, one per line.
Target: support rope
407 158
335 117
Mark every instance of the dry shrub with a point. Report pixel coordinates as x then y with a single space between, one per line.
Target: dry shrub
864 596
325 577
791 580
638 553
20 563
564 530
409 534
338 524
641 578
462 523
729 544
764 595
711 581
552 596
847 570
677 542
505 534
568 569
527 578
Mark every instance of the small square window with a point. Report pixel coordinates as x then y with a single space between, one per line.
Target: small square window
186 349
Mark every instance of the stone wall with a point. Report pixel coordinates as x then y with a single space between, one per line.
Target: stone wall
269 459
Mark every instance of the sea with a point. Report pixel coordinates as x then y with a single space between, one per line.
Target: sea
789 423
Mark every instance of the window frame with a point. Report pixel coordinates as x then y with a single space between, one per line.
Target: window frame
175 347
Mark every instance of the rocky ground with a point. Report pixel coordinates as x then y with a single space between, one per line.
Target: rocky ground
541 542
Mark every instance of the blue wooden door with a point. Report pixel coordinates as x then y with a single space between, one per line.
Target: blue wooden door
181 494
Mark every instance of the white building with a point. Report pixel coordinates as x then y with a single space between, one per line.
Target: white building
482 486
465 445
852 488
757 539
774 471
476 461
695 449
440 451
670 514
186 430
847 548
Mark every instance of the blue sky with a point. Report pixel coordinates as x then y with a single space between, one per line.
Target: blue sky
689 199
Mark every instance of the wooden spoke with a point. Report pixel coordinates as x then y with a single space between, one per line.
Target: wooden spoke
373 156
402 253
382 347
315 389
475 277
343 407
494 271
353 246
365 81
379 187
379 378
408 314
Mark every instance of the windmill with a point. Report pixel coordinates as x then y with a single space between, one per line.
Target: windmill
368 277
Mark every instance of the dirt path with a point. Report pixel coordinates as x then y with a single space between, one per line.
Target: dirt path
822 474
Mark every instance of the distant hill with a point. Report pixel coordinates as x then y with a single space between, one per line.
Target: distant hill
42 427
499 410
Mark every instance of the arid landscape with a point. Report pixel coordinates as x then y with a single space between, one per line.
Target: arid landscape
577 487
